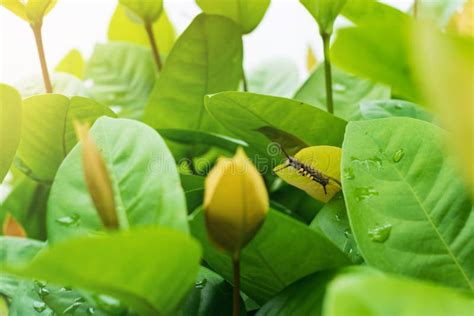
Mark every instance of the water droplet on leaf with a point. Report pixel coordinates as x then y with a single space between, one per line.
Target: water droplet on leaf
42 292
398 155
72 308
69 221
90 310
201 284
349 173
363 193
380 233
339 87
40 284
39 306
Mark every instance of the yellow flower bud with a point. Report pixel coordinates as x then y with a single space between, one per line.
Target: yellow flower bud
235 202
97 178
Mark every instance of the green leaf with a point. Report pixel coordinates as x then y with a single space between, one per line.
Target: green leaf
304 297
193 187
10 126
278 77
324 12
121 28
365 51
438 12
383 295
265 268
450 91
371 12
143 174
407 205
31 11
211 296
73 63
121 75
246 13
27 203
147 11
260 119
332 222
63 83
192 137
348 91
369 110
165 263
47 133
207 58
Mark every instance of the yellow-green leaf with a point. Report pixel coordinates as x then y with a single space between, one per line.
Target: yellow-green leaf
246 13
324 12
31 11
146 10
10 126
450 91
319 177
121 28
235 202
73 63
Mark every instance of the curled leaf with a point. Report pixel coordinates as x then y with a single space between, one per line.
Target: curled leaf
12 228
235 202
31 11
315 170
97 178
145 10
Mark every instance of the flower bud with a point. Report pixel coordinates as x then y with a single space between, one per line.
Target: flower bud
97 178
235 202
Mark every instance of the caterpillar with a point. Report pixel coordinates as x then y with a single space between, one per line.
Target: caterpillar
307 171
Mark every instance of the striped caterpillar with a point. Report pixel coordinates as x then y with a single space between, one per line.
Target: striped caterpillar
307 171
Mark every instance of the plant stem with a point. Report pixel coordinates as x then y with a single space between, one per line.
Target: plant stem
44 68
415 8
244 81
327 72
236 292
154 47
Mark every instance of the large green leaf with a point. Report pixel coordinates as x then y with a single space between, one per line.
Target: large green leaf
63 83
450 91
369 110
122 28
193 187
143 174
121 75
407 205
211 296
47 133
348 91
151 269
144 10
302 298
73 63
27 203
324 12
268 262
278 77
207 58
260 119
366 51
10 126
332 222
246 13
371 12
382 295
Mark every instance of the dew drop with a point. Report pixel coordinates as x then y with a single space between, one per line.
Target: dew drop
40 284
347 233
398 106
72 308
42 292
90 310
39 306
398 155
380 233
69 221
201 284
338 218
339 87
363 193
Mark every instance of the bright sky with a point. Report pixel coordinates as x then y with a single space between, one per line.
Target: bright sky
286 31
